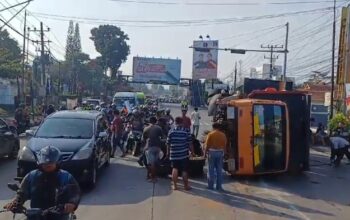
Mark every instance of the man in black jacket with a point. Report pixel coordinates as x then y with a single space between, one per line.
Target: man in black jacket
48 186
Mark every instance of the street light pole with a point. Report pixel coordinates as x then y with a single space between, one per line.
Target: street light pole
333 57
286 54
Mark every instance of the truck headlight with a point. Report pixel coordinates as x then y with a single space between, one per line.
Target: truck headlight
84 153
26 154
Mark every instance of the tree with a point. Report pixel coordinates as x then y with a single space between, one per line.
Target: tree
77 40
10 56
111 42
70 42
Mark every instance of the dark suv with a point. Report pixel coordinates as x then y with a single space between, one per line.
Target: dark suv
80 135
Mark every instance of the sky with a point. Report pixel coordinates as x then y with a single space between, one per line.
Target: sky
309 44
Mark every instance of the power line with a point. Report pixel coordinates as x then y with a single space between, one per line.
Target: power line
223 3
186 22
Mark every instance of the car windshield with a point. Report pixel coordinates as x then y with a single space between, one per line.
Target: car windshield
66 128
121 101
93 102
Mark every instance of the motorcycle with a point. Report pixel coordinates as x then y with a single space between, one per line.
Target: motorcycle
135 143
37 213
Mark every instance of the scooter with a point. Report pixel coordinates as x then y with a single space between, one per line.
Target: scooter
36 213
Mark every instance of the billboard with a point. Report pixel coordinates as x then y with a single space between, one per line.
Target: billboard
147 70
205 59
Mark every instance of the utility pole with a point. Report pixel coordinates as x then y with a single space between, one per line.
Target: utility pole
286 54
235 80
42 79
43 59
272 57
333 57
42 43
24 53
240 70
59 77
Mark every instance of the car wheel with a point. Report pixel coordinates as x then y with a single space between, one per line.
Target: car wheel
91 183
14 153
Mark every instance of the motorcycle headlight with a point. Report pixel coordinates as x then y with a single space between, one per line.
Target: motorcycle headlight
26 154
84 153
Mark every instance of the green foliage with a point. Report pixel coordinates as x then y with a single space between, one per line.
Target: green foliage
111 42
70 42
76 39
339 118
10 56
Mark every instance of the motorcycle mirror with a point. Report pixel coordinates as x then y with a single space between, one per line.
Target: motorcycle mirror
30 133
13 186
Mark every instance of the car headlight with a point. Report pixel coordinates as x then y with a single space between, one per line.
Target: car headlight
84 153
26 154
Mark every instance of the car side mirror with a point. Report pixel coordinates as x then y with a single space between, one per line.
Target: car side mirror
29 133
102 134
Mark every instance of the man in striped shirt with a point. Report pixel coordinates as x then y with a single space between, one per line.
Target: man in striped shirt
179 144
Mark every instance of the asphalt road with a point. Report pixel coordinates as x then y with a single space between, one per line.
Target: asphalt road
123 193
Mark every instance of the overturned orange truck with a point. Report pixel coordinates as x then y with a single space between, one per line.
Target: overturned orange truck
268 131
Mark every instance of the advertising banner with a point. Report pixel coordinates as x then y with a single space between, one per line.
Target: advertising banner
147 70
347 93
205 59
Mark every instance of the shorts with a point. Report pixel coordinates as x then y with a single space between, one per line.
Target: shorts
181 165
152 155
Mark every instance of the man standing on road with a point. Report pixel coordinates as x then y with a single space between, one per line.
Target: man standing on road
215 148
179 144
152 136
186 121
195 116
117 129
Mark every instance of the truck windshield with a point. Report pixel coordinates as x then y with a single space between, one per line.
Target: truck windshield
269 138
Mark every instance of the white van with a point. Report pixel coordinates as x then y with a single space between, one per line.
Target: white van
121 98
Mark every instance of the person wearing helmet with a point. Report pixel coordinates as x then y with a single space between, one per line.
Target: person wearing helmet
50 110
184 105
98 108
48 186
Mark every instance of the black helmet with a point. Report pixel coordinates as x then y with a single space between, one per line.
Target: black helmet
48 154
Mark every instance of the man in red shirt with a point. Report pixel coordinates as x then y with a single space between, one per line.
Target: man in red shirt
186 121
117 133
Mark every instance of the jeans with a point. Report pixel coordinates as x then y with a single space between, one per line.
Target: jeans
195 130
116 139
215 164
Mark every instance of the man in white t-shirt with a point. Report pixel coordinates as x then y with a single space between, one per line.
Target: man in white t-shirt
195 117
